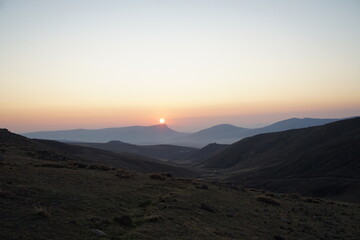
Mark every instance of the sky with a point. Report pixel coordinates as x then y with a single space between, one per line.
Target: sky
94 64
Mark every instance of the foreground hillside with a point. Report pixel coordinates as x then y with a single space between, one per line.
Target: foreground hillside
322 161
63 199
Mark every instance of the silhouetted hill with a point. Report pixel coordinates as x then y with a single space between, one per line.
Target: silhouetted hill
162 152
330 151
293 123
227 134
57 151
223 133
135 134
162 134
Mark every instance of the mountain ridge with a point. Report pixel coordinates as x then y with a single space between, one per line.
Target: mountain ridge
162 134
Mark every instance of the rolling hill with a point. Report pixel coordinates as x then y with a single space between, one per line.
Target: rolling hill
136 134
322 160
162 134
62 152
162 152
227 134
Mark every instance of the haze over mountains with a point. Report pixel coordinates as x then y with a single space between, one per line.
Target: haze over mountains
162 134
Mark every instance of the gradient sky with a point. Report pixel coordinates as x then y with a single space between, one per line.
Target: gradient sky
94 64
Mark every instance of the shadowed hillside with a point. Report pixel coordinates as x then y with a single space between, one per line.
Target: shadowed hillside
331 151
162 152
57 151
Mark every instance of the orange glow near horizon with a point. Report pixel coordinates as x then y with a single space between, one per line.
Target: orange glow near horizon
129 63
28 120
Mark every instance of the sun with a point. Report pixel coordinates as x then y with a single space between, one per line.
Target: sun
162 120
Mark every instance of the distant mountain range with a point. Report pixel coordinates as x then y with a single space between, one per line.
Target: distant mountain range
322 160
135 134
162 134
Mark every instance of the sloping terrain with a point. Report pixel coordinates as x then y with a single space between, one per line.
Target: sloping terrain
44 199
172 153
329 154
57 151
163 152
206 152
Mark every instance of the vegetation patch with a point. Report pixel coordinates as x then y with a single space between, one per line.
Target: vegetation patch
6 194
268 200
124 220
41 212
100 167
153 218
125 174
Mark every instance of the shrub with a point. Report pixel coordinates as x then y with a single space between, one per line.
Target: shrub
293 196
99 167
123 220
168 175
125 174
202 186
77 165
153 218
268 200
41 212
6 194
156 176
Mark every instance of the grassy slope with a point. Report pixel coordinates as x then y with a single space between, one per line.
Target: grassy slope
40 200
318 161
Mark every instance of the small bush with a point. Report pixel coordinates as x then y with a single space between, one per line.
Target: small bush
268 200
6 194
124 174
77 165
153 218
312 200
123 220
98 222
293 196
156 176
202 186
144 203
52 165
99 167
168 175
41 212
